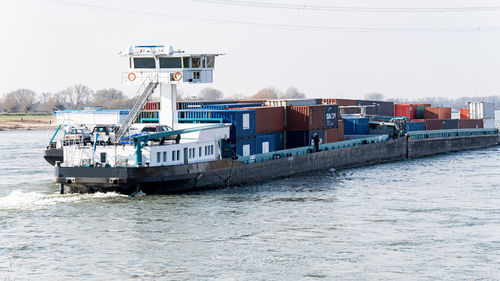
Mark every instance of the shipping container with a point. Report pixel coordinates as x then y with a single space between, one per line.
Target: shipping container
292 102
303 138
382 108
450 124
259 101
464 113
229 106
420 112
481 110
433 124
242 121
196 104
489 123
243 147
437 113
407 110
269 119
334 134
470 123
343 102
279 140
354 125
305 118
331 116
264 143
152 106
415 126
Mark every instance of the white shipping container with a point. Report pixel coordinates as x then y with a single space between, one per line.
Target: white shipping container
481 110
292 102
489 123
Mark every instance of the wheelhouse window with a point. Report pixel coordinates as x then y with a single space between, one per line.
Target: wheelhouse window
145 63
195 62
185 62
210 61
170 63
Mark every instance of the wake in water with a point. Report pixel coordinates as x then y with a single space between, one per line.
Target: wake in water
19 200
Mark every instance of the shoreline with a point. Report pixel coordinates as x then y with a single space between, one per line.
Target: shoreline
26 122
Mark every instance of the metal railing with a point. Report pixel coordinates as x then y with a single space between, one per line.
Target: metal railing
309 149
451 133
145 90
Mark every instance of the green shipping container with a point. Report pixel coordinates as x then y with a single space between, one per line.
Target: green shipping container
420 111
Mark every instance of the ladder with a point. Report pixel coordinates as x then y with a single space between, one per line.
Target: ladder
145 91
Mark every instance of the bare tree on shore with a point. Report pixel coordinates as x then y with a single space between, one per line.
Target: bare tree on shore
210 94
20 100
267 93
293 93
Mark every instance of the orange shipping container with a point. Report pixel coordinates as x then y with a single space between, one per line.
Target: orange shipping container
464 113
437 113
305 118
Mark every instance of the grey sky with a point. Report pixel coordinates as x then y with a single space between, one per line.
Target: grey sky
48 45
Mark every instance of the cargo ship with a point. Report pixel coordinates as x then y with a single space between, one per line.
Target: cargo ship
198 145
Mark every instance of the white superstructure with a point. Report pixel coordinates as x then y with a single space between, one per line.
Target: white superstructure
157 70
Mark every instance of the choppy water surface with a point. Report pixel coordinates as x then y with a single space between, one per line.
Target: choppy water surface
426 219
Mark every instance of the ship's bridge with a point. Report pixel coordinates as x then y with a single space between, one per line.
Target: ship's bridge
171 65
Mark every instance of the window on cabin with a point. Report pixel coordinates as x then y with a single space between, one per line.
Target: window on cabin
206 150
158 157
212 149
210 61
173 155
185 62
178 155
190 153
196 75
195 62
170 63
144 63
164 156
199 151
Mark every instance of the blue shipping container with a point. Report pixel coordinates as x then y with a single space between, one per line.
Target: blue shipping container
355 125
415 126
303 138
450 124
264 143
243 147
229 105
331 116
243 121
279 140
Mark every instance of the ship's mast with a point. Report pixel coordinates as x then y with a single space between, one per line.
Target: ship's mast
166 68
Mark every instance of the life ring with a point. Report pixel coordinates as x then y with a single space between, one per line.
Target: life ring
177 76
131 76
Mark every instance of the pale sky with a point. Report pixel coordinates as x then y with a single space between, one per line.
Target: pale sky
48 45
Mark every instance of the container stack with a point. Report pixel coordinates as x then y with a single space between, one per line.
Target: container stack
484 111
269 128
304 122
425 117
149 113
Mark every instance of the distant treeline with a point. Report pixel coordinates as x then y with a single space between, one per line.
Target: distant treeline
78 96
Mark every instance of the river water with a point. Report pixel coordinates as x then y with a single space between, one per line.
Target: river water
425 219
